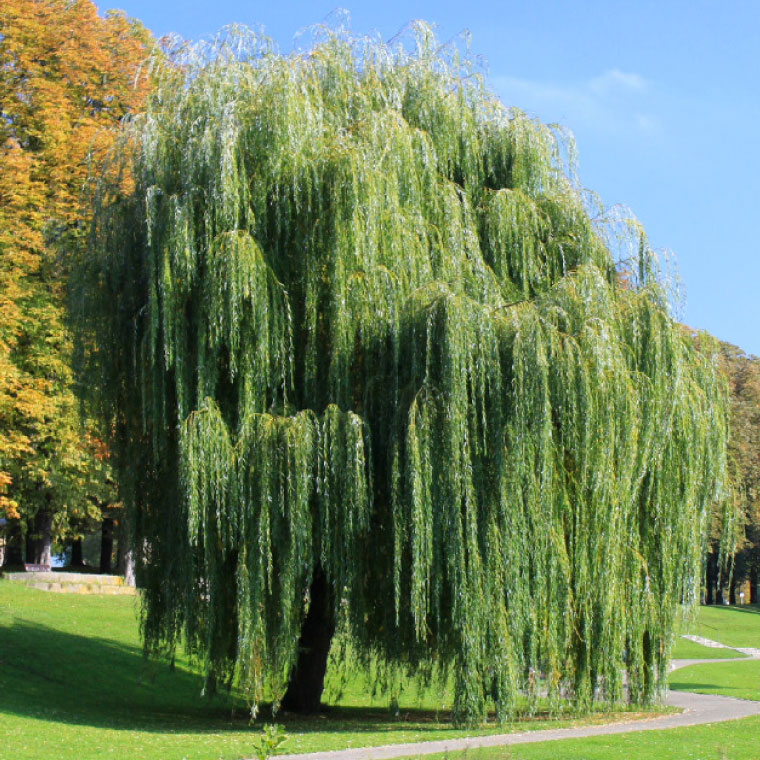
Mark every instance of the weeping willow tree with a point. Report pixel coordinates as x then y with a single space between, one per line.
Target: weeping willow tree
372 362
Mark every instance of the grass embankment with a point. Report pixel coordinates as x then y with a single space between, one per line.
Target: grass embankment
730 626
74 685
734 627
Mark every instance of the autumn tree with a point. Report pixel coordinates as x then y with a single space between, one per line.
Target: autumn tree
67 77
362 339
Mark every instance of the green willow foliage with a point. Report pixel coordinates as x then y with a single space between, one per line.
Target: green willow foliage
351 312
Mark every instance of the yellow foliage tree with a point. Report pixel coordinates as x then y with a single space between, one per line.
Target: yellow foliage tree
67 76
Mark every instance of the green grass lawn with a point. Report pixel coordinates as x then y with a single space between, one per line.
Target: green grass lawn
732 626
730 679
690 650
74 685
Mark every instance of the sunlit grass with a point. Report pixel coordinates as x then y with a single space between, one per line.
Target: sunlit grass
732 626
74 685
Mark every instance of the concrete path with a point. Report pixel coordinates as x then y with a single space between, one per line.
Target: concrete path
697 709
705 642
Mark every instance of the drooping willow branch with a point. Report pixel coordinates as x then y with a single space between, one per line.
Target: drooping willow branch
349 312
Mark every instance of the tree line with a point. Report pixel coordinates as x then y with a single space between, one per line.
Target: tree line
67 78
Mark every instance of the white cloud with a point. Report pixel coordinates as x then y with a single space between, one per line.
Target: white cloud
614 81
613 102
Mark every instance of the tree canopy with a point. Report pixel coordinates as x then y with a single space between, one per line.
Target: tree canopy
354 323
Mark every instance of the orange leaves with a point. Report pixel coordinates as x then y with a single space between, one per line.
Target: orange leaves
8 507
67 76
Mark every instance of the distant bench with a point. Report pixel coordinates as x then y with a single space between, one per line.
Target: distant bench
32 568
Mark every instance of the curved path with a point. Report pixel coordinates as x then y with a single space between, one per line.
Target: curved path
697 709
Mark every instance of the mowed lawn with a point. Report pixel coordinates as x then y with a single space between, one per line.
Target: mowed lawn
74 685
731 626
729 679
690 650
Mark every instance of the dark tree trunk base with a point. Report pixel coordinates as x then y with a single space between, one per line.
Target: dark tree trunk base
77 558
307 681
711 579
14 547
106 545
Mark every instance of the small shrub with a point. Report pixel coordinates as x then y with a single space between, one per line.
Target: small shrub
272 738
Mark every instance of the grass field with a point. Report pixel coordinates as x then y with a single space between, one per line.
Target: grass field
74 685
731 626
690 650
730 679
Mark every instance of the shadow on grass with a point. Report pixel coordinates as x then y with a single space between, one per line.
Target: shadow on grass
53 675
710 688
753 608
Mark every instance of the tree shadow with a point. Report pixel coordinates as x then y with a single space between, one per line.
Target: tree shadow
712 688
753 608
50 674
53 675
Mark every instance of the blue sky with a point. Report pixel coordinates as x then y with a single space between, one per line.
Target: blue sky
663 99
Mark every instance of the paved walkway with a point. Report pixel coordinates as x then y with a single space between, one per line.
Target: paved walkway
697 709
705 642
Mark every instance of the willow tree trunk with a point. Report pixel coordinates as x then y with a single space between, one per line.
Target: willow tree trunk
753 580
307 681
650 675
